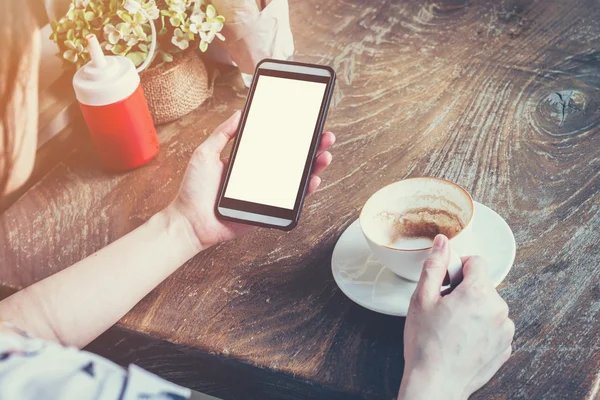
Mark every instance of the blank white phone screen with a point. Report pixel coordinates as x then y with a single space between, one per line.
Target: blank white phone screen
275 141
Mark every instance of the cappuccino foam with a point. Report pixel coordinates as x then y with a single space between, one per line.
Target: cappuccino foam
416 228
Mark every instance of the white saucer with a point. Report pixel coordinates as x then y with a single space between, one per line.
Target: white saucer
368 283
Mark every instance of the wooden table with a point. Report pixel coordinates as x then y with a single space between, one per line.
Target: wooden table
501 97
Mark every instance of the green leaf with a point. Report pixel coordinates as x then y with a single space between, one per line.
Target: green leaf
164 13
203 45
138 57
143 47
166 56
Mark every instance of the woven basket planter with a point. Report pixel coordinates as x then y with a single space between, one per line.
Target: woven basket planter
176 89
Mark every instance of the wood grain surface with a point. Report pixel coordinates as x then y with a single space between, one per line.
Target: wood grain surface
502 97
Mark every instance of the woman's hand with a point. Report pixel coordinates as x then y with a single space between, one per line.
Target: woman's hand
199 189
453 345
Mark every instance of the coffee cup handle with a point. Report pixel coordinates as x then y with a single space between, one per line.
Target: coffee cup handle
455 269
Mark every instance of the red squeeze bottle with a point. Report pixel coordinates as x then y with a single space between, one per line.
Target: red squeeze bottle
115 110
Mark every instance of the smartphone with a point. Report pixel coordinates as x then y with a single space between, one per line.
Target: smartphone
276 143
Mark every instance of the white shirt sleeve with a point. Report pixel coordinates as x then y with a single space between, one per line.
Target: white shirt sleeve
37 369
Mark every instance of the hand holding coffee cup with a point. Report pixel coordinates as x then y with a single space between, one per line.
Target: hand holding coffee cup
454 344
401 220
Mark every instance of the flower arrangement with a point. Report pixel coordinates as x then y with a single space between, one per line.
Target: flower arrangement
123 28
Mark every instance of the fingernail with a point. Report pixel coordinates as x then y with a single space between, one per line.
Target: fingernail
439 241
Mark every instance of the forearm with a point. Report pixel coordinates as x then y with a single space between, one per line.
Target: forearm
77 304
423 385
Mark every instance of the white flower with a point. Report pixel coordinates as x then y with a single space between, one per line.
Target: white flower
216 26
81 3
178 6
106 46
139 33
211 29
131 40
73 51
132 6
197 17
153 11
207 37
71 56
193 28
180 39
112 34
124 29
174 18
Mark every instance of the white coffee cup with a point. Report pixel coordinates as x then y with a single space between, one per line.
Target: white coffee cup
400 221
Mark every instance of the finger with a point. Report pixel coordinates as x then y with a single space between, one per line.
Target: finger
225 160
475 269
502 313
507 334
327 140
323 160
434 271
314 183
489 370
217 141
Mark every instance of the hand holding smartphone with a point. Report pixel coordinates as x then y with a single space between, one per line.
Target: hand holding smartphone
277 140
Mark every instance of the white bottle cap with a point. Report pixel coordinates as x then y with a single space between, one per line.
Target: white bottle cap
105 79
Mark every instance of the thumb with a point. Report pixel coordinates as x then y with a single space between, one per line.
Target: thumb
217 141
434 271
